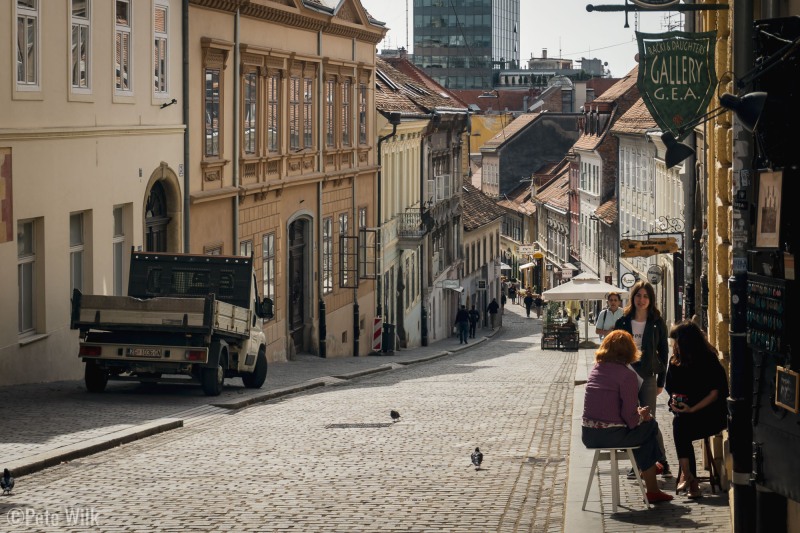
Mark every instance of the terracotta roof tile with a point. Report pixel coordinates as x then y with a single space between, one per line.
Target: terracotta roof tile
636 120
554 193
396 91
478 209
620 88
511 129
607 212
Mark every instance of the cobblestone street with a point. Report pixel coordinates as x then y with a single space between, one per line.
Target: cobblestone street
333 460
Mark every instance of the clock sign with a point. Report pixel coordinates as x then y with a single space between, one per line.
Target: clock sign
654 3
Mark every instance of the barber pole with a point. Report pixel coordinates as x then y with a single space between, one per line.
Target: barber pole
377 333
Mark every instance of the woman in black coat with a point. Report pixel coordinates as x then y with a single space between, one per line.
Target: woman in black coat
643 320
698 390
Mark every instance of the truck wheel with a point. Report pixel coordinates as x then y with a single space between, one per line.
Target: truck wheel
256 378
95 377
212 378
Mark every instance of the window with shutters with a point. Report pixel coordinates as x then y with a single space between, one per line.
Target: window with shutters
294 113
327 255
346 113
250 121
362 113
268 264
308 113
330 112
273 93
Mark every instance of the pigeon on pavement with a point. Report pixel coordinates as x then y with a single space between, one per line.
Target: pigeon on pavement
6 482
395 415
477 458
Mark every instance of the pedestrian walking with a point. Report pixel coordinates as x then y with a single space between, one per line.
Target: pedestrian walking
528 303
643 320
492 309
512 293
462 324
538 303
474 317
608 317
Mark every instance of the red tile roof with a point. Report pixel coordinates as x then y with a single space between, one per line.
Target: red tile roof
636 120
478 209
607 212
511 129
555 192
395 91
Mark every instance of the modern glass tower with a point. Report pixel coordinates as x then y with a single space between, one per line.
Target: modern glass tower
459 42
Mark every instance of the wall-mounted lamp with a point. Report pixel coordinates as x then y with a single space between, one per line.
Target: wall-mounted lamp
167 104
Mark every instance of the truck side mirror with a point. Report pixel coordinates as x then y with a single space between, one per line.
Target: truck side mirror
266 308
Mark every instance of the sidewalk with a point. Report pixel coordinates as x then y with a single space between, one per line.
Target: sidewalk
45 424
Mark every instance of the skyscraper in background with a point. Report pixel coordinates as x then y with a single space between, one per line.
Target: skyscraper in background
459 42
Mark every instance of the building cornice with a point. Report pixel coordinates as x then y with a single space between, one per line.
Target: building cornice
88 132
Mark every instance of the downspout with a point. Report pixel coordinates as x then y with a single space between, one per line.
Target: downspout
185 90
424 270
236 111
321 320
394 120
356 317
689 192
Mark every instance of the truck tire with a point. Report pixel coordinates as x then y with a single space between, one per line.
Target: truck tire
256 378
95 377
213 378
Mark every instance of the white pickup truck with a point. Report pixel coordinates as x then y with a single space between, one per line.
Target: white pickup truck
195 315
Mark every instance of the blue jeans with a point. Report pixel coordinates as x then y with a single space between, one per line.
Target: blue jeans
463 332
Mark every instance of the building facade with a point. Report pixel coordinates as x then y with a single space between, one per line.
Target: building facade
284 167
458 43
91 157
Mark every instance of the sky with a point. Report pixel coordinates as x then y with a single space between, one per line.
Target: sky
563 25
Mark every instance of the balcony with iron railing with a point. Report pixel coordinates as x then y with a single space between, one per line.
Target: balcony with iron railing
410 229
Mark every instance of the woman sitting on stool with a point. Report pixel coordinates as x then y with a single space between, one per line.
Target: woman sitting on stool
612 417
698 391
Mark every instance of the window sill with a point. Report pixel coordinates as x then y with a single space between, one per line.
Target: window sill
30 339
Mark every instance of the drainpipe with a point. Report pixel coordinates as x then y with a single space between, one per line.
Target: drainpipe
185 90
322 323
424 271
236 111
394 120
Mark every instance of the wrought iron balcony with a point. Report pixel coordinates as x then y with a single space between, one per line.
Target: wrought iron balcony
410 230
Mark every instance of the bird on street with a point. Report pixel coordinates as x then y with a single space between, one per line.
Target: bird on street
395 415
7 482
477 458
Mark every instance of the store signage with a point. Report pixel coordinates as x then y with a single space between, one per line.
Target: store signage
676 76
525 249
787 392
636 248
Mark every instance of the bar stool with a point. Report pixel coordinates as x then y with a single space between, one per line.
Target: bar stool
711 467
614 454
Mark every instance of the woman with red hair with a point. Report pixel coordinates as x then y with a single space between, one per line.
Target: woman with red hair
612 417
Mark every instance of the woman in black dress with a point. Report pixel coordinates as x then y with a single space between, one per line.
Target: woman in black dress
698 389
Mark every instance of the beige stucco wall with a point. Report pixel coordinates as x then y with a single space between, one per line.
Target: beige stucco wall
80 153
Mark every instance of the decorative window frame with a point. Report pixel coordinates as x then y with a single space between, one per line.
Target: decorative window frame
215 54
77 93
123 95
23 90
164 36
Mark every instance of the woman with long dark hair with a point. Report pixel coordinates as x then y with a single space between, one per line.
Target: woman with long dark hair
698 390
643 321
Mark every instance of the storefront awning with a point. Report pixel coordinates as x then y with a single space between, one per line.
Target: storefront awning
457 289
527 265
570 266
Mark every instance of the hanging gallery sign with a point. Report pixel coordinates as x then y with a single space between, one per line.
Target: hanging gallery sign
652 4
676 77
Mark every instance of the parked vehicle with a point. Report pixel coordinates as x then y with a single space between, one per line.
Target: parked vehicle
192 315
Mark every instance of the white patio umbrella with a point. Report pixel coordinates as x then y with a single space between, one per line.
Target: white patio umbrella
584 287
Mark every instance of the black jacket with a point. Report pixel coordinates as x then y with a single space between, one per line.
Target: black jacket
655 349
462 316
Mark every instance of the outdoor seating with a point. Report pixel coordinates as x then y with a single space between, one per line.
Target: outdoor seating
613 455
559 337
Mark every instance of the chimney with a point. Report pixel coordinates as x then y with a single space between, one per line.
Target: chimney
544 53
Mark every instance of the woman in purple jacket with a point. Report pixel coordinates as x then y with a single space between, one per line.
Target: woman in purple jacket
611 413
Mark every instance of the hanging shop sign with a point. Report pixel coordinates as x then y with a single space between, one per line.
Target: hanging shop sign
636 248
676 76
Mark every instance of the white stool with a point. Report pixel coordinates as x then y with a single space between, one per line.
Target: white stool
613 454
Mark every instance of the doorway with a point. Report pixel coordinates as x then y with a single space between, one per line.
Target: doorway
156 219
297 286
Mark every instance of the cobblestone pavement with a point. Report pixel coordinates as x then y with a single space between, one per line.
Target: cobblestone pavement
330 459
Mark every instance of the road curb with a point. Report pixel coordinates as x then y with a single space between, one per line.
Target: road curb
43 460
267 396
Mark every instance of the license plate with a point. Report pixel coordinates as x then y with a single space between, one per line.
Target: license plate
143 352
